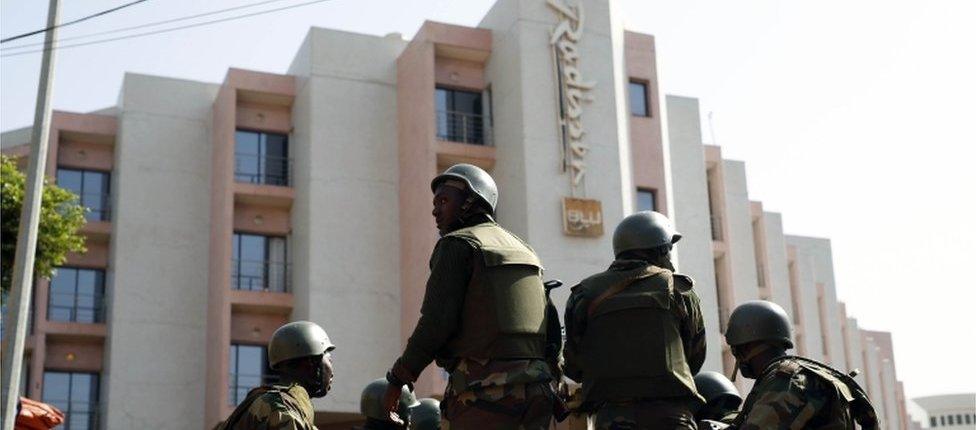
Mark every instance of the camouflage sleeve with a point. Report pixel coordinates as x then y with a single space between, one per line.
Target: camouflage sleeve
269 412
575 324
785 402
450 273
694 332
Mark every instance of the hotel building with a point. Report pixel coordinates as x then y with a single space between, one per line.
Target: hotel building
223 210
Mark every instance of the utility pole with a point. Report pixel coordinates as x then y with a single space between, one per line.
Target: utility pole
15 320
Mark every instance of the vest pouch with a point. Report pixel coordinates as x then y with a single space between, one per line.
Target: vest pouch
515 286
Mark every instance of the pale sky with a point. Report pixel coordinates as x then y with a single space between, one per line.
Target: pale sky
855 120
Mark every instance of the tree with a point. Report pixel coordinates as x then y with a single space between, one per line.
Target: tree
57 235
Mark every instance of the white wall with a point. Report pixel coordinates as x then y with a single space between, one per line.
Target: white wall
779 275
807 279
157 293
818 260
345 217
741 249
691 215
854 345
531 184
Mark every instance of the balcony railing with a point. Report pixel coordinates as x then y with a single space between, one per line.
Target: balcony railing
262 169
241 384
250 275
73 307
464 127
716 227
77 415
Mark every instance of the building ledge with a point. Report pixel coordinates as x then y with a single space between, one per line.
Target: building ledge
74 330
262 302
97 230
718 248
451 153
264 195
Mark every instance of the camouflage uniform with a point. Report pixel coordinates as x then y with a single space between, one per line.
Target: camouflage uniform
796 393
273 407
498 376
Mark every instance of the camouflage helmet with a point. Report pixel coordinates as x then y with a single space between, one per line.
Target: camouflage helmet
297 339
371 401
759 320
426 416
477 180
714 386
643 230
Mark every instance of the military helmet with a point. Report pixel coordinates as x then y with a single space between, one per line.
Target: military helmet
714 386
297 339
759 320
426 416
371 401
477 180
643 230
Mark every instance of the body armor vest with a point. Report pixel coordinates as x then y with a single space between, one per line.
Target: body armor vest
504 313
632 346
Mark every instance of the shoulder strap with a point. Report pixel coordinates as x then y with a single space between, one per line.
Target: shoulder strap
620 286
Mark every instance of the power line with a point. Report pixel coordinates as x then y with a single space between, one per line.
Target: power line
166 30
65 24
150 24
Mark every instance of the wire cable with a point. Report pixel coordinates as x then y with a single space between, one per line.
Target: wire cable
165 30
146 25
65 24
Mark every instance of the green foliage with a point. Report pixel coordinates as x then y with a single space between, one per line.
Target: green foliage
61 217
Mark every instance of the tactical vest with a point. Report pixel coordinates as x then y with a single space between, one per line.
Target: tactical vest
504 313
632 347
848 390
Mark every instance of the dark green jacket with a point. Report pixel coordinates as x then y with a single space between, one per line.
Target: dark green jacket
635 332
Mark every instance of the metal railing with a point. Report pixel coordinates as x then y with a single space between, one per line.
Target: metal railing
84 308
77 415
98 205
254 275
242 383
262 169
464 127
716 227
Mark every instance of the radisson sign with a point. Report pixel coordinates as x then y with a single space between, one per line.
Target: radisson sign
573 90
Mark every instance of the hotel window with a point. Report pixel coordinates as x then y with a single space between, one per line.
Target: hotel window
646 199
75 394
638 99
968 419
260 263
248 370
92 189
261 158
460 117
77 295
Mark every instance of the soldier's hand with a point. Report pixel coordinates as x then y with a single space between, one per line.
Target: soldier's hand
391 402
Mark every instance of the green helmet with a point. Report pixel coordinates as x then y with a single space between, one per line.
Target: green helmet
297 339
759 320
371 401
715 386
643 230
477 180
426 416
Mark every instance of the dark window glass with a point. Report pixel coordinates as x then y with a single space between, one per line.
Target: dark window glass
638 99
76 295
645 200
942 420
248 370
259 263
92 188
459 116
933 422
959 418
75 394
261 158
951 421
968 419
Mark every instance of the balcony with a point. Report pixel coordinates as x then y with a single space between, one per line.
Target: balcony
716 227
263 169
464 127
256 275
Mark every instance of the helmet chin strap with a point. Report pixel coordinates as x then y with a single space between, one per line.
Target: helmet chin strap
753 352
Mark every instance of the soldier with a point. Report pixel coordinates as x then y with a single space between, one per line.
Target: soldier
483 315
371 405
790 392
301 354
634 333
722 399
426 415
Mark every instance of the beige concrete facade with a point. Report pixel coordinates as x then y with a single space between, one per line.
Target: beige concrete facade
363 144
